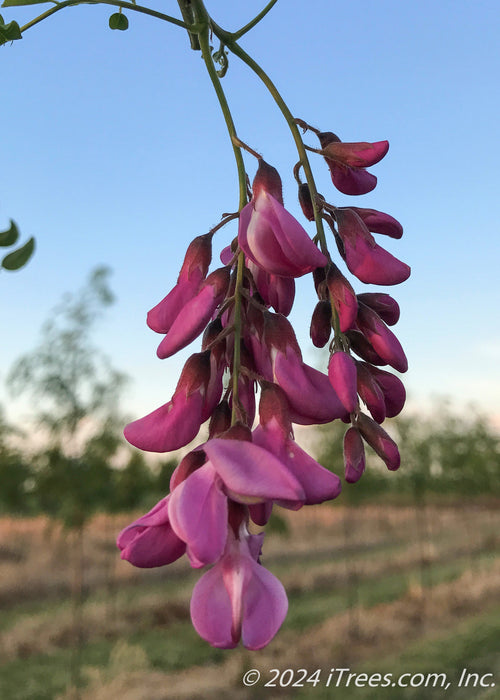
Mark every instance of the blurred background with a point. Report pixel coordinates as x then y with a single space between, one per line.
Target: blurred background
115 157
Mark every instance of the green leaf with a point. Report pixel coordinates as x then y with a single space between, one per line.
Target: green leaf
118 21
19 257
10 236
15 3
9 32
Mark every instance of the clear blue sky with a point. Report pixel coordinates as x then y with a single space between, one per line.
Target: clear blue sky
114 151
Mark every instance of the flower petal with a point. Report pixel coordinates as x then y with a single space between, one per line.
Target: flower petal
354 455
198 514
251 472
311 396
211 612
150 540
169 427
265 607
342 376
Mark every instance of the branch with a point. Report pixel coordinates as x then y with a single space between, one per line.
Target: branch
256 20
116 3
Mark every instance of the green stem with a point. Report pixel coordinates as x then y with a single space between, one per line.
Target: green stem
202 28
237 335
187 12
237 35
116 3
203 37
226 37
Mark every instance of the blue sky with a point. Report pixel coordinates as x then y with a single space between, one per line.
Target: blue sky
114 151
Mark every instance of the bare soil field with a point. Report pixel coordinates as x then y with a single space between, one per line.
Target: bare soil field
365 584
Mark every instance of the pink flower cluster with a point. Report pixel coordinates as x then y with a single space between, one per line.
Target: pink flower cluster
225 488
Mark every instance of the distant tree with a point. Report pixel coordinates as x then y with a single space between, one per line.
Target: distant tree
15 473
132 484
66 373
76 391
163 475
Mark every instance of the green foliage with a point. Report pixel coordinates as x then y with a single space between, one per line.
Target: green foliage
8 32
132 483
71 489
15 474
67 375
118 21
443 454
163 476
16 3
18 258
10 235
75 388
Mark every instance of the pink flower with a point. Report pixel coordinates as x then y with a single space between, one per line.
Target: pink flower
150 541
193 271
274 434
360 345
276 291
238 598
378 222
321 324
235 469
386 307
354 455
271 237
310 395
347 162
383 341
342 376
197 312
342 297
370 392
363 256
177 422
381 442
392 389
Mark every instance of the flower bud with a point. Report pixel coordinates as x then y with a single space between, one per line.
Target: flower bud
343 297
379 440
383 304
305 201
354 455
378 222
383 341
342 376
370 392
321 324
220 420
267 179
193 271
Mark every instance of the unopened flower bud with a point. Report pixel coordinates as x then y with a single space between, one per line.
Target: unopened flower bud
379 440
378 222
343 297
383 341
305 201
370 392
321 324
342 376
267 179
383 304
354 455
220 420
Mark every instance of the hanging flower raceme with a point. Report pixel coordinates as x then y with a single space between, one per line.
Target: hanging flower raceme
229 484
